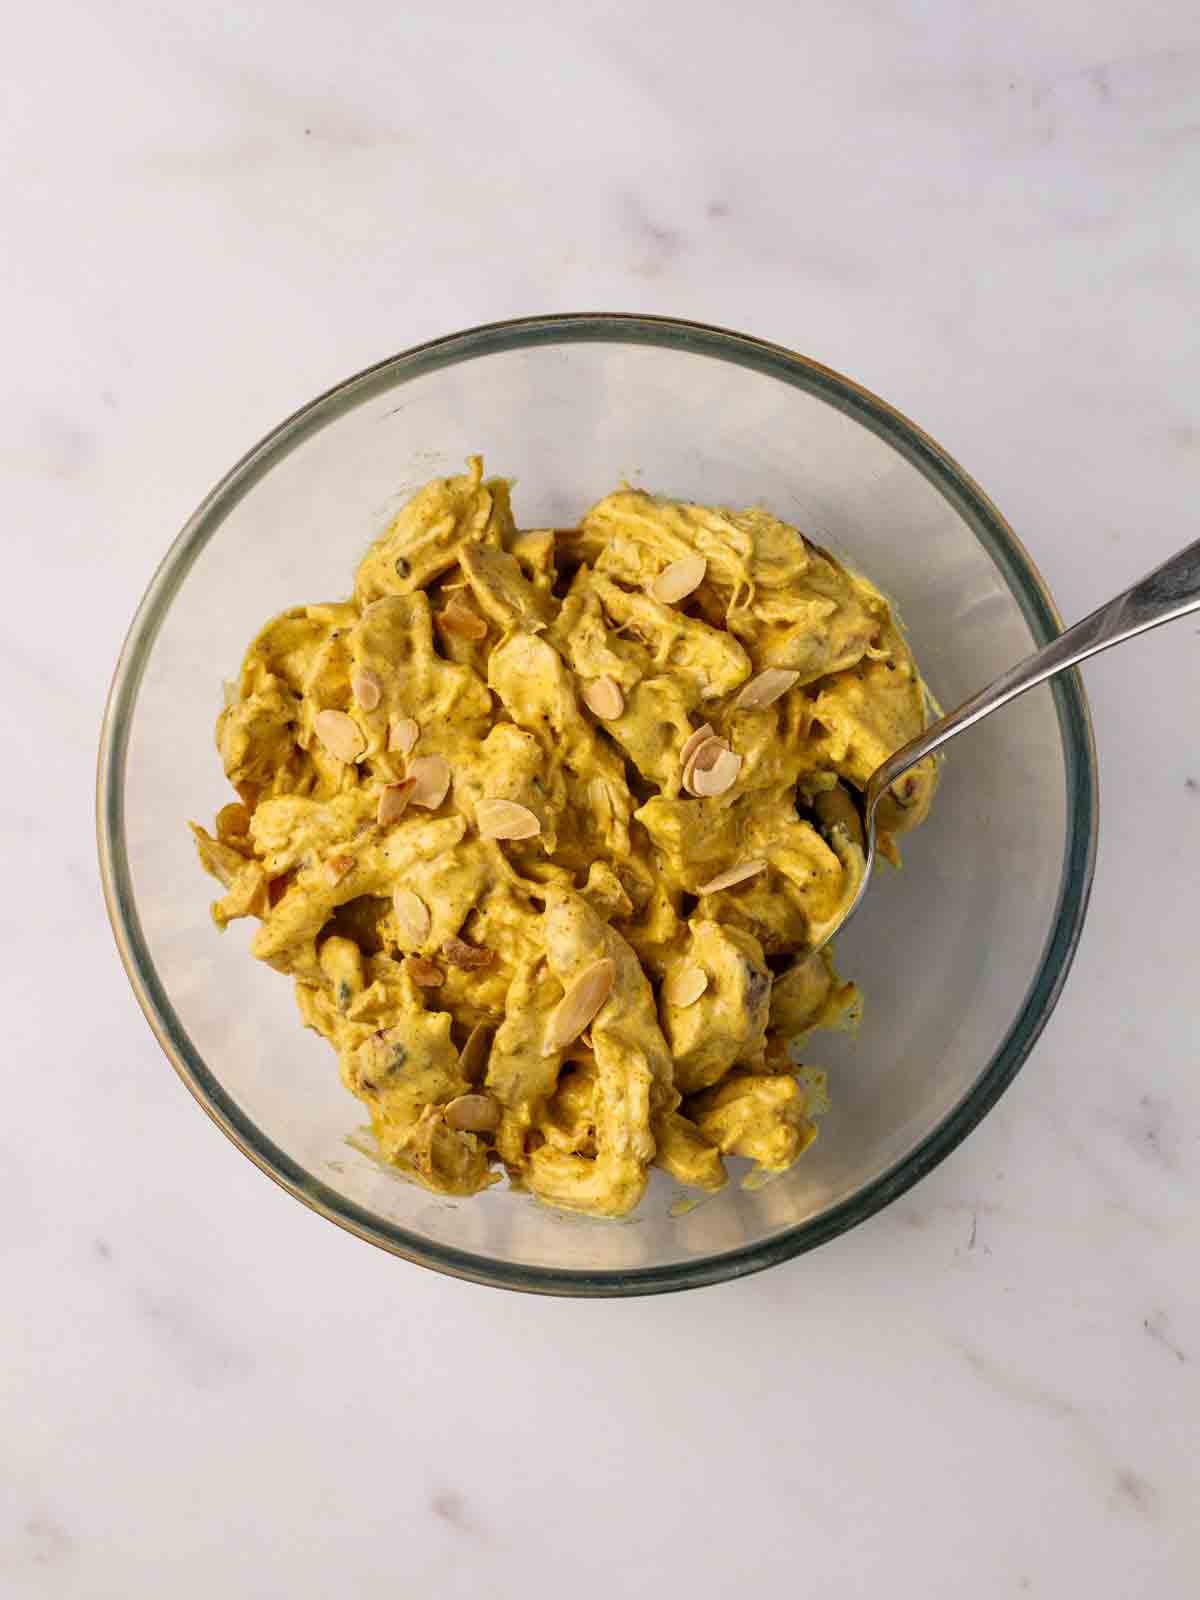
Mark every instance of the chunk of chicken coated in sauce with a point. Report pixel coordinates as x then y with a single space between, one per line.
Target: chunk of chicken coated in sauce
633 1070
727 1024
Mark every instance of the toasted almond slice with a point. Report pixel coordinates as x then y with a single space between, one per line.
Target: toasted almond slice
471 957
703 759
706 755
708 781
403 733
505 819
473 1057
771 684
412 917
337 867
579 1005
685 986
458 617
677 581
431 776
340 735
732 875
692 744
473 1113
367 687
393 802
423 973
604 697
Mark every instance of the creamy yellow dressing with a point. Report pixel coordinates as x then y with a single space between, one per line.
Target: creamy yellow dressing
544 825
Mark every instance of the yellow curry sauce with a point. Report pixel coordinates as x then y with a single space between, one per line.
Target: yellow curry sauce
544 825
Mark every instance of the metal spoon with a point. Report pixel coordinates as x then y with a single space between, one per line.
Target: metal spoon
1170 591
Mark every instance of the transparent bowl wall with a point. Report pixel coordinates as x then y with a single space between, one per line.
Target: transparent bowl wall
961 954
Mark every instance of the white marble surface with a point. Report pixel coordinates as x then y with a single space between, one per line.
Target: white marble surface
988 214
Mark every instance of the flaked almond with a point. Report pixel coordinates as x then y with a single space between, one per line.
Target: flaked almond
367 687
471 957
423 973
393 802
579 1005
473 1057
431 779
692 744
702 759
337 867
458 617
732 875
771 684
505 819
412 917
403 733
603 697
685 986
473 1113
340 735
232 692
677 581
709 781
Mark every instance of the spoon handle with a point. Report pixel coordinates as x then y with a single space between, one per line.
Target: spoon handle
1170 591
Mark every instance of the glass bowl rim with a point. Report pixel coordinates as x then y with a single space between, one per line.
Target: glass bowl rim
770 360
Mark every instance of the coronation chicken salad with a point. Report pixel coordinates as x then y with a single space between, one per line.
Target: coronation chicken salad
545 825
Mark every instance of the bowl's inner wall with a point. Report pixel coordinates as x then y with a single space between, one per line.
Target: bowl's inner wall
945 950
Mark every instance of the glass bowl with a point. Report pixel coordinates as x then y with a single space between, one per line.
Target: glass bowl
962 954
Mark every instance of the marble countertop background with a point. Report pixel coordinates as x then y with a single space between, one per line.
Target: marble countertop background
989 215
